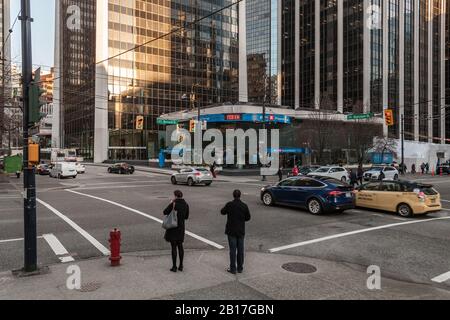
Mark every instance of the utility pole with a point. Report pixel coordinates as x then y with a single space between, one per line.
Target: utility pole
402 117
29 182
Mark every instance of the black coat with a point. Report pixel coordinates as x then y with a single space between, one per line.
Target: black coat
182 209
238 214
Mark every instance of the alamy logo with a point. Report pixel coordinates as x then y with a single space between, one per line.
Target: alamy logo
74 19
234 149
374 280
74 280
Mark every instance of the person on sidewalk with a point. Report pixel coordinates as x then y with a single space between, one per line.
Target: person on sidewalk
238 214
413 168
360 174
353 178
213 169
280 173
176 235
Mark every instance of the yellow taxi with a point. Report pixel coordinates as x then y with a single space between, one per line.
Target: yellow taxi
403 197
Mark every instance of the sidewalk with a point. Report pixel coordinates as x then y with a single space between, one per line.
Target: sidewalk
147 276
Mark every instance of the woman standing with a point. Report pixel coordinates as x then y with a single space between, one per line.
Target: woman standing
176 235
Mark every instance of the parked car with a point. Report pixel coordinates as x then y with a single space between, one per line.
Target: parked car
121 168
80 168
62 170
445 169
403 197
338 173
381 173
304 170
43 170
316 194
192 176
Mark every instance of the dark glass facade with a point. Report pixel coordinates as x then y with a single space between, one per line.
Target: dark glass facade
353 54
78 79
423 74
437 64
376 54
409 70
307 54
328 53
393 64
447 72
288 51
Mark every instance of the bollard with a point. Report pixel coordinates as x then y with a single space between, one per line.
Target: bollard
114 241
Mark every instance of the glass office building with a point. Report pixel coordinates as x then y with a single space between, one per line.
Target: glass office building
113 93
364 56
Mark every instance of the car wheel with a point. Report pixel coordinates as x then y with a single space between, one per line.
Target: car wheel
396 177
190 182
173 180
267 199
314 207
208 184
404 210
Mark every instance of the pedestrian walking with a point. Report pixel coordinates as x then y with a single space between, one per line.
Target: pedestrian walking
280 173
238 214
176 235
427 167
353 178
295 171
213 170
360 174
422 168
413 168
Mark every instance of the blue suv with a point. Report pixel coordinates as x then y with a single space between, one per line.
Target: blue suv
316 194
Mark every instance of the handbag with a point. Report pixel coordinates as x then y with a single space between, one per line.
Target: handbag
171 221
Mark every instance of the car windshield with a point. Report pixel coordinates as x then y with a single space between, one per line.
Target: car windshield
376 169
202 169
322 170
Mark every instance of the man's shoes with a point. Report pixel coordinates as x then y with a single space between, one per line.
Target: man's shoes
174 269
231 271
180 268
240 271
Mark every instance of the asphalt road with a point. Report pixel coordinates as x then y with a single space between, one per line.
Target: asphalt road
75 217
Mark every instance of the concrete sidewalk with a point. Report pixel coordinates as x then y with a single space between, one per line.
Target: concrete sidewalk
146 275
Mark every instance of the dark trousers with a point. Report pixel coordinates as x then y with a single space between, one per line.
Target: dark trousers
177 245
236 253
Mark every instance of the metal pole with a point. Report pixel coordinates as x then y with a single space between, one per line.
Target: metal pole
403 142
28 173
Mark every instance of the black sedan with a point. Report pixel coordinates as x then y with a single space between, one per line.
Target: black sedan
121 168
316 194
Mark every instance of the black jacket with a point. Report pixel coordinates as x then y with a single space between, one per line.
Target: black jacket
238 214
182 209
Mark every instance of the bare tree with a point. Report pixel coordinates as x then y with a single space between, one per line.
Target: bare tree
385 145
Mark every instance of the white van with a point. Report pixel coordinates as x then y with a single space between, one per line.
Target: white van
63 170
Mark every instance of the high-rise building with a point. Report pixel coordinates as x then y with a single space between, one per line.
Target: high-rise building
364 56
447 73
104 83
5 66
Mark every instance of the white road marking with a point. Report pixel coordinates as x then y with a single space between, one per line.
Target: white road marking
211 243
346 234
118 187
58 248
445 200
442 278
15 240
80 230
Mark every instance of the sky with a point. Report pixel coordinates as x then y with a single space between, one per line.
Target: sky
43 31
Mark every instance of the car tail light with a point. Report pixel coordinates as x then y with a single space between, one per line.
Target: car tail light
421 196
335 193
198 174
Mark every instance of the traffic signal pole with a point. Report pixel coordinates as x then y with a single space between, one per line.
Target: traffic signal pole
30 236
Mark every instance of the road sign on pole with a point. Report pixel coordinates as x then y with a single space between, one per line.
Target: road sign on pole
362 116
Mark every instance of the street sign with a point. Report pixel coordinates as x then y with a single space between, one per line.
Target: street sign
164 122
361 116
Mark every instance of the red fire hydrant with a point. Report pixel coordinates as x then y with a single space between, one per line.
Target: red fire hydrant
114 241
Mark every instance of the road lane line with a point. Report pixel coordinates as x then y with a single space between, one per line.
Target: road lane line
346 234
15 240
193 235
442 278
445 200
58 248
80 230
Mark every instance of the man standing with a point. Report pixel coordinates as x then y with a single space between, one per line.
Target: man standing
238 214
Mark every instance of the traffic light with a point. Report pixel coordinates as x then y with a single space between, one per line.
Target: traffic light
34 100
192 125
389 117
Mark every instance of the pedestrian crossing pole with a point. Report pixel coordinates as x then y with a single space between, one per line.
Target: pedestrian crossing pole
29 179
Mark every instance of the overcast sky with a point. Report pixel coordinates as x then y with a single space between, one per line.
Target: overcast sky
43 30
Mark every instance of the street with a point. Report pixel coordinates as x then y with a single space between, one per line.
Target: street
75 217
